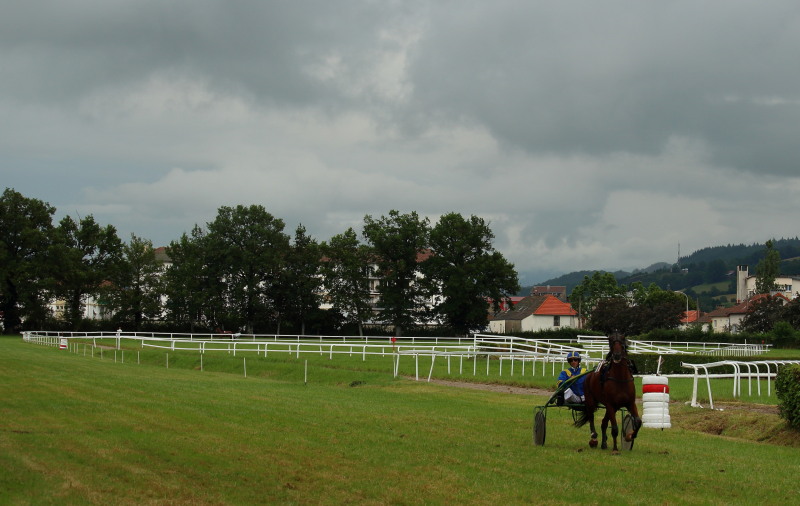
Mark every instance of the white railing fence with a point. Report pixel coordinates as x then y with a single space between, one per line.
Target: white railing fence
538 356
749 370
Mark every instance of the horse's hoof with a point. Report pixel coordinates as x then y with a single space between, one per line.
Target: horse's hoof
604 446
592 443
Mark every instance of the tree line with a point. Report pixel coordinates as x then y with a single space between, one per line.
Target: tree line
243 272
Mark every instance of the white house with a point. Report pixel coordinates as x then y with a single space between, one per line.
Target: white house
534 313
788 286
729 319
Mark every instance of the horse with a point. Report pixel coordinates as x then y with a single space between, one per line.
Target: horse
611 385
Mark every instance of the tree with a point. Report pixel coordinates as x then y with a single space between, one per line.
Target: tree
586 295
84 255
135 291
247 248
190 296
346 274
610 315
398 240
464 272
26 229
654 308
296 291
768 269
791 313
764 313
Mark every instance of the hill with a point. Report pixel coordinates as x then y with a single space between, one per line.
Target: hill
711 266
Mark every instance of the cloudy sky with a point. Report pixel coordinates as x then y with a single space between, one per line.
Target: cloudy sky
591 135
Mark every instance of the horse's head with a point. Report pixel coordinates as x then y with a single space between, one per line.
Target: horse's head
618 347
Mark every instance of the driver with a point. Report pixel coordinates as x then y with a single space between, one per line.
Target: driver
573 394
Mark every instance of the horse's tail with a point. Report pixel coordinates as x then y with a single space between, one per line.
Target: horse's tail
583 417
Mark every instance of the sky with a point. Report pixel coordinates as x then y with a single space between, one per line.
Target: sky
589 135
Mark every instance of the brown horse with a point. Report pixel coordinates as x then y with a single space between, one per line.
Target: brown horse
611 385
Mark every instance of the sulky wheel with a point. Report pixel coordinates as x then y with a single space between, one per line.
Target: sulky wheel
539 427
627 425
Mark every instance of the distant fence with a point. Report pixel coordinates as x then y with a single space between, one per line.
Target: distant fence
518 355
598 345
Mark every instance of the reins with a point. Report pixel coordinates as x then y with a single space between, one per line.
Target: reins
628 366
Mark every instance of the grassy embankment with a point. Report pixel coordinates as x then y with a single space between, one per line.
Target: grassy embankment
77 429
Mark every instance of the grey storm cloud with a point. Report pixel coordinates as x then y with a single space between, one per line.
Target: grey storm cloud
590 134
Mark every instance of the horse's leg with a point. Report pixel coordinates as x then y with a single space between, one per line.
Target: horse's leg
593 431
603 427
614 428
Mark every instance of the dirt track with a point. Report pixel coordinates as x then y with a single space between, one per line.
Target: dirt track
733 406
492 387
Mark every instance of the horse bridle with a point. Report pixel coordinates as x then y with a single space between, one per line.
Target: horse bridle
624 356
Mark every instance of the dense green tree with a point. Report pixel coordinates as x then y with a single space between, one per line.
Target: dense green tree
188 286
346 272
135 289
84 255
464 272
398 241
659 313
763 314
610 315
586 295
297 289
247 249
767 269
643 309
715 271
791 313
26 228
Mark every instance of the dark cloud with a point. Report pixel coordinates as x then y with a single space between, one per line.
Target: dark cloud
578 129
599 78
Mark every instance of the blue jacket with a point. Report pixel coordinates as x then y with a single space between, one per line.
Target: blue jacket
569 372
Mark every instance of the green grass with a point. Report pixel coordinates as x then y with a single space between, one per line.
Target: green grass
76 429
721 286
340 368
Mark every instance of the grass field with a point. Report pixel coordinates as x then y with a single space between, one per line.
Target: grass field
75 429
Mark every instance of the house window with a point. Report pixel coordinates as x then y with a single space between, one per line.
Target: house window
556 321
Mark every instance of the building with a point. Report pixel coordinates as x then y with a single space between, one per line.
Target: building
534 313
728 319
788 286
560 292
688 318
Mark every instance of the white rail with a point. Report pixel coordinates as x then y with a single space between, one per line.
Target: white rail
753 370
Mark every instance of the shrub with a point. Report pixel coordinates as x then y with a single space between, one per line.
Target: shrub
787 388
784 335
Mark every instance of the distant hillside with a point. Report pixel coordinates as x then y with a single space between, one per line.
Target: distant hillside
707 266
